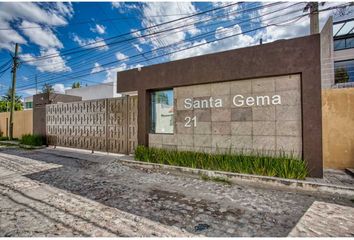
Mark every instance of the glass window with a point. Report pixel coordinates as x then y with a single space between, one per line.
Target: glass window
349 42
339 44
344 43
344 71
162 111
28 104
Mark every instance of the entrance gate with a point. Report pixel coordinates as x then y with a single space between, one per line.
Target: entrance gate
108 125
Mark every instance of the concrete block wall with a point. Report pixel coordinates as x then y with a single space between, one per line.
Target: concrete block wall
269 128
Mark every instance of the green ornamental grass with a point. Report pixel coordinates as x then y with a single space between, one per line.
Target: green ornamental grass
32 140
282 165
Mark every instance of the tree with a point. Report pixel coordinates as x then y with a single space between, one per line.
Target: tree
341 75
344 11
5 102
76 85
47 88
161 97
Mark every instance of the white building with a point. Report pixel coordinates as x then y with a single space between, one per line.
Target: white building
28 103
100 91
343 36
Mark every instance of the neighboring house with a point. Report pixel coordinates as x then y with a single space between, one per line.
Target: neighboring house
28 103
343 38
100 91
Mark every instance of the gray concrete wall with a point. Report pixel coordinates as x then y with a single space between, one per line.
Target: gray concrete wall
327 61
266 128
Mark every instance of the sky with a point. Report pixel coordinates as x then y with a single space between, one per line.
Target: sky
89 42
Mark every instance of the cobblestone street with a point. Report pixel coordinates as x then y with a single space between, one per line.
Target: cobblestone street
53 192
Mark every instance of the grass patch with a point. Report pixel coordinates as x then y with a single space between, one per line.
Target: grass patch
216 179
283 166
32 140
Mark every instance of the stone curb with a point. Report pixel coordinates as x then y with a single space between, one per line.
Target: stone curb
257 180
31 147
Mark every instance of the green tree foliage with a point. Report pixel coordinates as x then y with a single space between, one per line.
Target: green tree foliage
341 75
76 85
47 88
5 102
161 97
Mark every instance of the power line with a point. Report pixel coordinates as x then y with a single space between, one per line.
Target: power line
201 35
214 23
212 32
186 48
93 21
190 47
146 28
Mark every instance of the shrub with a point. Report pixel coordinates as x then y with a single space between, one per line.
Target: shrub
276 166
4 138
32 140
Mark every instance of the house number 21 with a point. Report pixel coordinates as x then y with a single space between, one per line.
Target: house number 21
190 121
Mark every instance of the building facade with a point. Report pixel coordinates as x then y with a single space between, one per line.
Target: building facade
265 98
343 37
28 103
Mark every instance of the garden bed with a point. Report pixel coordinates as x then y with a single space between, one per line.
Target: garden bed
282 166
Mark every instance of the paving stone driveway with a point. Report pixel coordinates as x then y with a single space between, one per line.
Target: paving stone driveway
56 192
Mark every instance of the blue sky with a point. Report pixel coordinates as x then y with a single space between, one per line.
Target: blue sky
63 43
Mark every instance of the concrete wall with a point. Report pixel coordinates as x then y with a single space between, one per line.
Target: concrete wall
100 91
39 112
279 58
22 123
338 128
263 128
327 64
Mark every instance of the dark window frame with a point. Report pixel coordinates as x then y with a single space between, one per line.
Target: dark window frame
342 61
345 38
152 127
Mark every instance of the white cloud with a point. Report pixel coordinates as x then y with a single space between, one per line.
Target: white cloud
50 14
99 29
98 43
65 9
168 11
111 74
137 47
43 37
8 38
34 13
30 91
117 4
59 88
235 40
137 34
124 6
97 68
287 26
52 64
121 56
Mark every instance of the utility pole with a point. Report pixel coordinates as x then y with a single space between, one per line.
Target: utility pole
314 21
13 92
36 84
